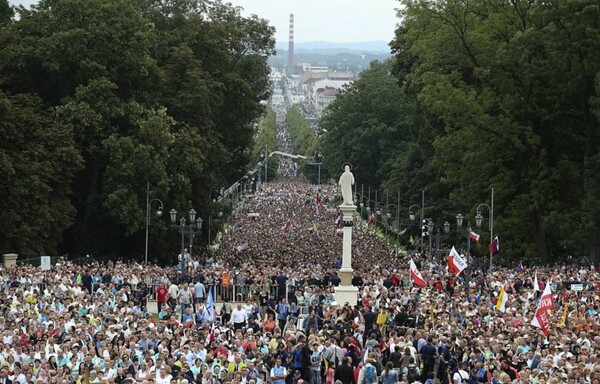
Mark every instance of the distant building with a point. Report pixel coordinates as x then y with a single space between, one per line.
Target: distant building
306 67
275 75
323 97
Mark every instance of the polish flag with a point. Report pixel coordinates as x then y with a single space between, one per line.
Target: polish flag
339 222
287 224
456 263
541 319
415 275
474 236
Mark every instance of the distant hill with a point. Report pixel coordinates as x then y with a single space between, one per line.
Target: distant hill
324 47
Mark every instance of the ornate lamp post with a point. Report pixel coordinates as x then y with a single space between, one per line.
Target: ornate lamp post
411 215
459 222
430 227
184 228
158 213
265 155
479 219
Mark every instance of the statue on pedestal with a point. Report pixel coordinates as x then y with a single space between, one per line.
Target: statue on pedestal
346 182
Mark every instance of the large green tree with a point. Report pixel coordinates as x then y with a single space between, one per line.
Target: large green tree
38 159
511 83
160 92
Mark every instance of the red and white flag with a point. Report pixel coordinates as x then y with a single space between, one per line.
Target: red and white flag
474 236
339 222
541 319
287 224
456 263
415 275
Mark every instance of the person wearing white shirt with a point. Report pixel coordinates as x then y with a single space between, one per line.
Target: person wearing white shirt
173 293
239 317
460 375
110 369
162 377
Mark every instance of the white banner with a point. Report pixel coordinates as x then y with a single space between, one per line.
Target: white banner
45 263
577 287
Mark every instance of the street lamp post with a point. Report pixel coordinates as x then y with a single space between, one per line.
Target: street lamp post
368 203
358 201
430 227
411 216
388 216
190 229
265 154
319 161
438 238
158 213
459 223
398 220
479 219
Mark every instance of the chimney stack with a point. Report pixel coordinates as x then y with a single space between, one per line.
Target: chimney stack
291 65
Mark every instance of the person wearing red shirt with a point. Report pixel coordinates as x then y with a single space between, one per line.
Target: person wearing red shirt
161 295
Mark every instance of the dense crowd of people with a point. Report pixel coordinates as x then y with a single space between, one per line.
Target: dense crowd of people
90 324
273 273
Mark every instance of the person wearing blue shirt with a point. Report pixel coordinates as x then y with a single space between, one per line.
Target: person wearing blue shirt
278 372
282 313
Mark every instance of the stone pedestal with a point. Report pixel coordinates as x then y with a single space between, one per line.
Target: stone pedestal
346 292
9 259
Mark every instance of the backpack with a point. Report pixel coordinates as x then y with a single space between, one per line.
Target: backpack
370 374
411 373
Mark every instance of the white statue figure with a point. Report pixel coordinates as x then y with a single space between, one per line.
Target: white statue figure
346 182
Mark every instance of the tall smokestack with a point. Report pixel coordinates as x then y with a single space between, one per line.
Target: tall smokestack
291 64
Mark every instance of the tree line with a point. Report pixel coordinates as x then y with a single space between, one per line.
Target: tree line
99 97
480 95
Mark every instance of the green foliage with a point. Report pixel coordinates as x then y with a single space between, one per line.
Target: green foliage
493 75
371 127
481 95
6 12
304 141
301 134
266 140
159 92
38 159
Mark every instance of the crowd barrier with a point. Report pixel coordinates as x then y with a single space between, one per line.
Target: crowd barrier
229 292
237 293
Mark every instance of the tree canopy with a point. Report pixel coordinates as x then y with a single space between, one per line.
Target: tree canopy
134 91
485 95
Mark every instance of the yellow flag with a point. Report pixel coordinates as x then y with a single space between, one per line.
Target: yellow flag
412 241
563 321
502 300
432 313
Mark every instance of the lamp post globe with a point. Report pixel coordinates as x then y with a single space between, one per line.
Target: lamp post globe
459 220
478 219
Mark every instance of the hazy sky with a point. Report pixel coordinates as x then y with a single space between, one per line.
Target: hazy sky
327 20
322 20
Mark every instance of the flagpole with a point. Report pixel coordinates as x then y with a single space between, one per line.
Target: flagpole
491 228
422 219
398 221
